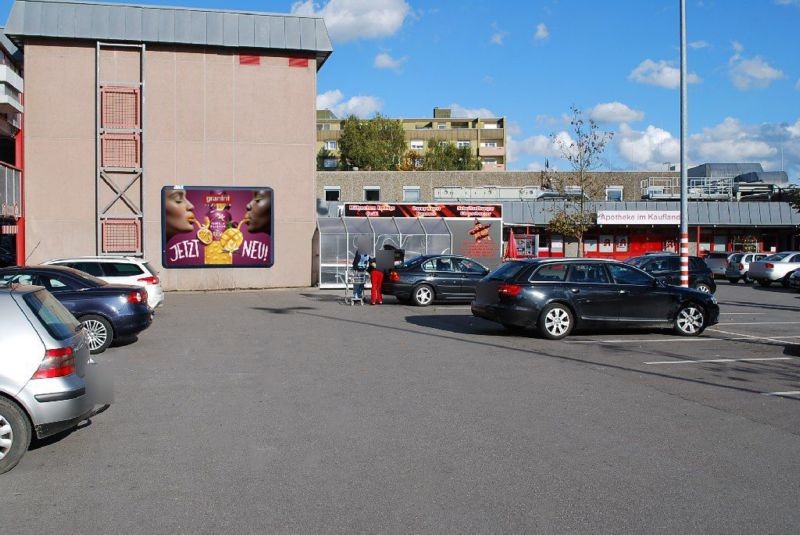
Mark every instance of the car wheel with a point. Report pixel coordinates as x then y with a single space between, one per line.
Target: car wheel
703 287
99 333
733 281
423 295
555 322
785 280
691 320
15 434
765 283
746 278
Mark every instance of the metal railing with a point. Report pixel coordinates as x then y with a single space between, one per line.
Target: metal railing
10 191
711 188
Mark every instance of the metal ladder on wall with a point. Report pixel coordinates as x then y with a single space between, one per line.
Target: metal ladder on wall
119 180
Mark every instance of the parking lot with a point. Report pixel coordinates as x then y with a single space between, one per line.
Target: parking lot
288 411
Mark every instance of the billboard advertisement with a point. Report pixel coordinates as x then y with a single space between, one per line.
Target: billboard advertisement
422 210
207 226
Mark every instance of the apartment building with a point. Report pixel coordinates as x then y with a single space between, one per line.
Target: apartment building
11 207
484 136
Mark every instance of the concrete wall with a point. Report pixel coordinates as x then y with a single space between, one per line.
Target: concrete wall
392 182
208 121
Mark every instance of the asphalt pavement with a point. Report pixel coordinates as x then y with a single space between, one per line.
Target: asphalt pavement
291 412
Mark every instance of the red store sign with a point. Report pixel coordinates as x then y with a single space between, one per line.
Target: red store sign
481 211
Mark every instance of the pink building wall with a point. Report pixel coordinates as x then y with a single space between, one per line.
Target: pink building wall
208 120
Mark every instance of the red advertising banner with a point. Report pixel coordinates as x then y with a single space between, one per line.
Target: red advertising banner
482 211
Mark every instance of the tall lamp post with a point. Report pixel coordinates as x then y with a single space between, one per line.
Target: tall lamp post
684 133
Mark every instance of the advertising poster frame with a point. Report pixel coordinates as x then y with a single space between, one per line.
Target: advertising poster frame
239 210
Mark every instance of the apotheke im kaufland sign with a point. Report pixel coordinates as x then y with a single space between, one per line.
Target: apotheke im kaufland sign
639 217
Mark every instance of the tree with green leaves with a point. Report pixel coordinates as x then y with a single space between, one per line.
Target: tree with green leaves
584 154
446 156
376 144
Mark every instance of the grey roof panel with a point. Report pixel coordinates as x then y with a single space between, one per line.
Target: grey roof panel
247 31
149 26
276 32
214 34
261 36
77 19
292 36
230 29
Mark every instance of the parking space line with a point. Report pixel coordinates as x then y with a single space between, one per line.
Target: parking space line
780 340
744 313
763 323
714 361
790 393
736 336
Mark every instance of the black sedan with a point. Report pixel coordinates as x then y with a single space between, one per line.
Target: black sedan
667 268
557 295
106 311
425 279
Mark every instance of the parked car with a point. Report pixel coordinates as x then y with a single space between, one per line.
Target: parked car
667 267
717 262
427 278
106 311
775 268
739 266
794 280
46 382
119 270
557 295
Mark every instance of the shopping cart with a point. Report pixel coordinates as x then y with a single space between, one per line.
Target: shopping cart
352 279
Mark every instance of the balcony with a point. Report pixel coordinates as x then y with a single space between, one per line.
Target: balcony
10 190
492 151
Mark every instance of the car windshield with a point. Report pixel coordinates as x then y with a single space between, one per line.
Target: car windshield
737 257
507 271
636 261
89 280
777 257
413 261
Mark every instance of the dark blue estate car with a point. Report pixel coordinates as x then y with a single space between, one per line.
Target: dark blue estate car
556 295
430 278
106 311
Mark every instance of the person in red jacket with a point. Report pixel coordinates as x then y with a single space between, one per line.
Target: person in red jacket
376 277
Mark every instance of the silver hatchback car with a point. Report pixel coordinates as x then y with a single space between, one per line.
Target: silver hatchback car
47 382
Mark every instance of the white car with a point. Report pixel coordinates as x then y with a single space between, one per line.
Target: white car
119 270
775 268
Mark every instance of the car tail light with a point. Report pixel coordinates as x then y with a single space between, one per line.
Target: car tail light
57 363
741 267
394 276
509 290
139 296
148 280
770 265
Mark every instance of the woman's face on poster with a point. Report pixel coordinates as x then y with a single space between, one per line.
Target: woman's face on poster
259 212
178 213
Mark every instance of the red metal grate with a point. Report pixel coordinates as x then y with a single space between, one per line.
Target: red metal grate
120 107
121 236
121 150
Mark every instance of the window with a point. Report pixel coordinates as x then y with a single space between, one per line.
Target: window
550 273
120 269
331 144
489 161
489 144
468 266
697 264
490 126
332 193
54 284
372 193
323 126
627 275
588 274
23 279
54 317
614 193
442 126
92 268
417 144
507 271
330 163
411 193
462 143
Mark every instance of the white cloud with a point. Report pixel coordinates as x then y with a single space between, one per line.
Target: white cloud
788 2
794 130
751 73
615 112
498 35
348 20
360 106
542 32
660 73
647 149
385 61
513 129
538 145
730 141
457 110
699 44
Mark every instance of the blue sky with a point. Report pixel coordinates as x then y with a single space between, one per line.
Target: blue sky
529 61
